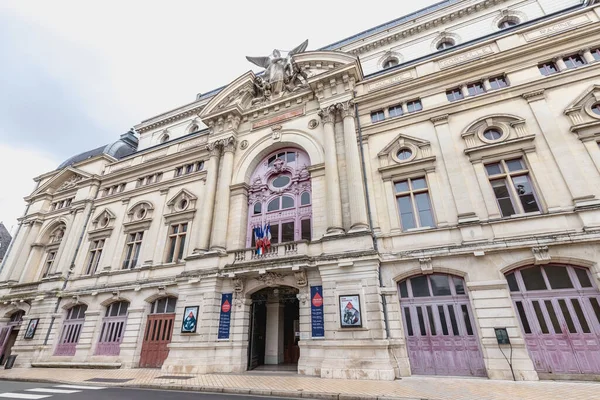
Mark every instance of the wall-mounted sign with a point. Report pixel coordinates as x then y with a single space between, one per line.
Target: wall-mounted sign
316 311
31 328
350 316
225 318
190 319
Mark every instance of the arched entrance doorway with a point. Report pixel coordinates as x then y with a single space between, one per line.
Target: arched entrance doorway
9 334
274 329
559 310
440 331
158 333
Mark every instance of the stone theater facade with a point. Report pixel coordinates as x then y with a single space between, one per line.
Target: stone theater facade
431 188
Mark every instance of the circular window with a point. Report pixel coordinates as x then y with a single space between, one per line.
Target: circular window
445 44
404 154
596 108
492 134
507 23
183 203
281 181
104 222
164 139
141 214
390 62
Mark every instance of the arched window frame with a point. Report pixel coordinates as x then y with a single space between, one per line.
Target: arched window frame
294 163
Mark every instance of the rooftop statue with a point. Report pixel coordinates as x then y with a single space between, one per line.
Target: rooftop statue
281 74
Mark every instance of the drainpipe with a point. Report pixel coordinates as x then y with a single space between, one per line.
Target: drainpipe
369 215
12 241
71 267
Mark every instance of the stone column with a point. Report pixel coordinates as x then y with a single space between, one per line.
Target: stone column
588 56
203 228
356 187
560 63
464 89
218 240
334 199
487 85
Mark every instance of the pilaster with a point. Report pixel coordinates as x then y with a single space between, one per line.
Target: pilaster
333 199
202 230
218 240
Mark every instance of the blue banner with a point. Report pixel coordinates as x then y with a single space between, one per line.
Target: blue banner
316 311
225 319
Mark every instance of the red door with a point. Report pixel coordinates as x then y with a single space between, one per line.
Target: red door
440 333
559 310
157 336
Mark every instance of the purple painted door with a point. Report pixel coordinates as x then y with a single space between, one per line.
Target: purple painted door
438 322
69 338
559 311
111 336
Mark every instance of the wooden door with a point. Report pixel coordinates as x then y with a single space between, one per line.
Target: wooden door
111 336
155 350
258 328
439 325
559 311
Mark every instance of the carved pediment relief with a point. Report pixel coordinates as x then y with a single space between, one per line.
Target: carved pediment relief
63 181
104 219
584 113
404 154
182 201
493 132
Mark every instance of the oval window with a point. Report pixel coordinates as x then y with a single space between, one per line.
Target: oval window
287 202
305 199
281 181
273 205
596 108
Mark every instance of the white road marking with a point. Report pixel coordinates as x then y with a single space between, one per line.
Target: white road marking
80 387
23 396
51 390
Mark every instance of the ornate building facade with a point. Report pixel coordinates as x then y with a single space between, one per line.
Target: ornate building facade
430 189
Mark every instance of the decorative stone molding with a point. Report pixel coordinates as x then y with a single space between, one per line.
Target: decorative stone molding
512 128
440 119
69 183
183 200
328 114
585 123
303 298
541 255
426 265
419 26
301 279
420 159
534 95
238 286
387 56
270 278
346 109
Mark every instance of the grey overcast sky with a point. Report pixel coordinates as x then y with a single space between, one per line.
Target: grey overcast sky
76 74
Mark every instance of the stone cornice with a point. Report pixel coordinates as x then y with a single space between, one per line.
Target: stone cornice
170 116
368 45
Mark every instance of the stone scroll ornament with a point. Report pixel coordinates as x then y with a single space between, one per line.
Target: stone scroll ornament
281 75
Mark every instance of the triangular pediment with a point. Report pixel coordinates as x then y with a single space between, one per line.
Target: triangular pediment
401 140
64 180
181 195
591 94
404 149
229 100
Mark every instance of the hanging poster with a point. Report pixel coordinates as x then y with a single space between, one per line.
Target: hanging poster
31 328
316 311
190 319
350 316
225 318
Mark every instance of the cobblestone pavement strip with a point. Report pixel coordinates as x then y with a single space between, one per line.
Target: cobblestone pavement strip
430 388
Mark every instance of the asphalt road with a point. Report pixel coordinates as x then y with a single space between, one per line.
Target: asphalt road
50 391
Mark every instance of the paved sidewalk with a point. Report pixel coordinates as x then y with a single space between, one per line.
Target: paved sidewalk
284 385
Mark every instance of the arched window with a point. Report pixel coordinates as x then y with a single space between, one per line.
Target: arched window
508 22
280 197
52 245
164 305
165 138
390 62
445 44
